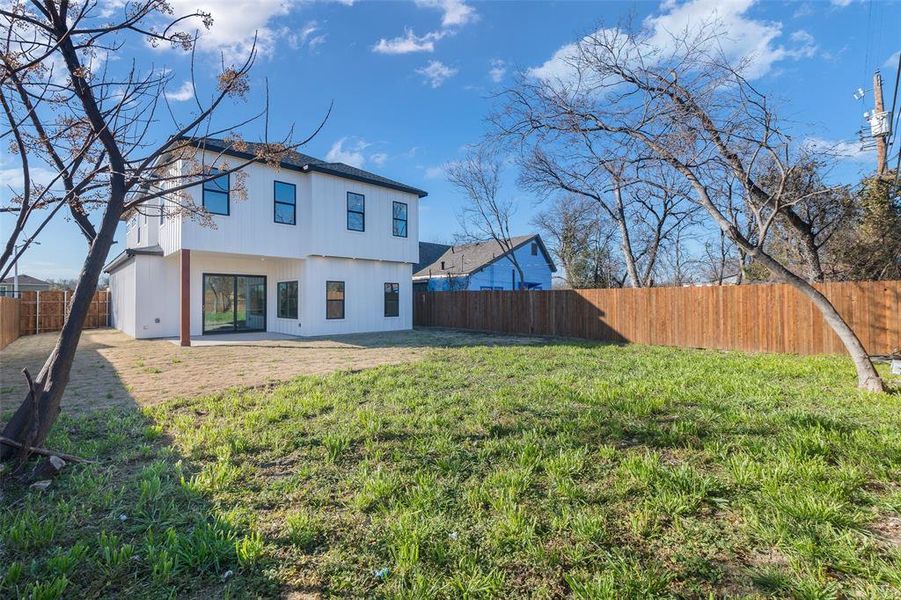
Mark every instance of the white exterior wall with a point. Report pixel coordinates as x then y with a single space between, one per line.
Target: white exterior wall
321 219
330 236
364 288
157 302
274 270
250 228
122 298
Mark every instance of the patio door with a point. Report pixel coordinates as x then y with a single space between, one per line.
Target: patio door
233 303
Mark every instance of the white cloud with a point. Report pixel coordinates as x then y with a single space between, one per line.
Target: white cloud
435 172
742 37
497 71
842 149
436 73
351 154
409 42
234 24
456 12
185 92
841 3
309 35
378 159
892 61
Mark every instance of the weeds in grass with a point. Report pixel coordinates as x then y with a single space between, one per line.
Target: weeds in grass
545 471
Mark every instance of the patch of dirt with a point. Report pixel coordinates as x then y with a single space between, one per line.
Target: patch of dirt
112 369
888 530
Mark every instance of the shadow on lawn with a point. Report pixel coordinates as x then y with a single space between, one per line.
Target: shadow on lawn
137 523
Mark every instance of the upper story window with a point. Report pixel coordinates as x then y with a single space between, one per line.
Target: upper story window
356 212
392 299
285 195
534 248
399 222
215 194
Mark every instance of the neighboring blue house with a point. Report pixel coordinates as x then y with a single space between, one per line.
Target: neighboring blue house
483 266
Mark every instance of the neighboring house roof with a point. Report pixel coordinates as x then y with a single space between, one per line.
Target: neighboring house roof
126 254
304 163
429 253
26 280
467 259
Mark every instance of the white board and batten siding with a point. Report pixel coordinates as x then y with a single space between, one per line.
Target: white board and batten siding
316 249
364 286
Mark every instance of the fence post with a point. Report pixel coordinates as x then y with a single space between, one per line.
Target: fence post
65 305
37 312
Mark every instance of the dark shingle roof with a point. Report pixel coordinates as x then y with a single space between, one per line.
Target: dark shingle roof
26 280
428 253
467 258
304 163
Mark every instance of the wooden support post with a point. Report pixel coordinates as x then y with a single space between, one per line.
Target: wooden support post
185 331
881 146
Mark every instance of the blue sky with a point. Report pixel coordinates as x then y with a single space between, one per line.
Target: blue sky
411 81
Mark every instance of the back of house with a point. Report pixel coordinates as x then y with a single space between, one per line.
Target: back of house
313 248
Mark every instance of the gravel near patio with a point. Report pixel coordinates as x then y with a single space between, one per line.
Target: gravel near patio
112 369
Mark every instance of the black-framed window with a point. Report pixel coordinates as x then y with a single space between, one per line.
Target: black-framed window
534 248
216 194
356 212
399 219
334 299
392 299
285 198
287 300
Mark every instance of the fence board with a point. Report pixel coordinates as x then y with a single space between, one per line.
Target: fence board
42 312
756 318
9 321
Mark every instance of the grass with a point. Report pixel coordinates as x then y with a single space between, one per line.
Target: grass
532 471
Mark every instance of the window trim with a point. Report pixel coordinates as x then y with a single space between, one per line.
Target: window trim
342 301
356 212
396 291
276 202
406 219
228 193
278 299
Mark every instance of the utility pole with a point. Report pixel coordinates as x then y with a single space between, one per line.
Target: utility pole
877 126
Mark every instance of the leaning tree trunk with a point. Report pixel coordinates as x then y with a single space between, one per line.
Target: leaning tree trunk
27 425
867 377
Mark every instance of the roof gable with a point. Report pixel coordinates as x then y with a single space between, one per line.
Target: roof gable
467 259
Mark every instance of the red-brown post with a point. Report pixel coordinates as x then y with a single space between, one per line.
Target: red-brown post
185 298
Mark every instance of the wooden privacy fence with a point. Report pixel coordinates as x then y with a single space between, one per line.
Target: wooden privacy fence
41 312
9 321
764 318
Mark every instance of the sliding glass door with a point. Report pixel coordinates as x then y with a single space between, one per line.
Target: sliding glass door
234 303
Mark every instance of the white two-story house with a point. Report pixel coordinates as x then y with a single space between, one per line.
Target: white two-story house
315 248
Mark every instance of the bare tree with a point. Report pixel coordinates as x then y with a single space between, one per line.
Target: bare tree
485 214
684 106
580 239
98 128
645 203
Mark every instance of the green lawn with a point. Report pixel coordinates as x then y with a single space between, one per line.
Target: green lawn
531 471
